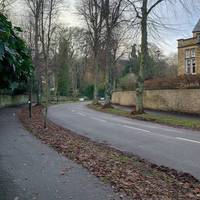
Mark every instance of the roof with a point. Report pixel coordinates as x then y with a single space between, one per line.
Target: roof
197 27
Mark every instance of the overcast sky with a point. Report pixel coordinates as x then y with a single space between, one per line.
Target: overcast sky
181 22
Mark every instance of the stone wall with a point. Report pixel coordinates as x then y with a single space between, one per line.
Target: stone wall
178 100
7 100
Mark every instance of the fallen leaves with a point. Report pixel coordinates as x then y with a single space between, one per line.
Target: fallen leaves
137 178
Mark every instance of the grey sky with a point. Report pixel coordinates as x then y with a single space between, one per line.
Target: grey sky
180 21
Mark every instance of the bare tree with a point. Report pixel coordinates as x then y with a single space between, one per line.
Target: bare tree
28 34
142 14
112 12
35 9
83 51
91 10
5 4
49 12
119 49
44 13
143 10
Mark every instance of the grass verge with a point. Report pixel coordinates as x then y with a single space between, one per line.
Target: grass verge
172 121
161 119
114 111
138 178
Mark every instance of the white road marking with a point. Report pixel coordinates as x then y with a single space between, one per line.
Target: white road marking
106 119
139 129
127 122
163 136
187 140
166 129
101 120
81 114
159 127
143 130
148 132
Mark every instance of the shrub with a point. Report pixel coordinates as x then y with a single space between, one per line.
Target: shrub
89 91
127 82
15 60
181 82
101 90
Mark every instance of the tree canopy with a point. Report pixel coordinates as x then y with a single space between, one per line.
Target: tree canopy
15 60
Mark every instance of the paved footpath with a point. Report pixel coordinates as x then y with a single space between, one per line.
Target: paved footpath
32 170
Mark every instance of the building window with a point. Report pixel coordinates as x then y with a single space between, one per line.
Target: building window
198 38
190 62
193 66
188 66
187 53
193 53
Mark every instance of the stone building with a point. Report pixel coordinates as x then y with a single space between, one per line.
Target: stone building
189 53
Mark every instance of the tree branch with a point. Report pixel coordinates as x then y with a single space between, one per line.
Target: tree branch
137 13
154 5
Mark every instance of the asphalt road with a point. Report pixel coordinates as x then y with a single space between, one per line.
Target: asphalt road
30 170
172 147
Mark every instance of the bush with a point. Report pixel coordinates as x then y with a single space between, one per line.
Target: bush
15 60
181 82
89 91
127 82
101 90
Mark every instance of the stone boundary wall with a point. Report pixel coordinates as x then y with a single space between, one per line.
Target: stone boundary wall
7 100
177 100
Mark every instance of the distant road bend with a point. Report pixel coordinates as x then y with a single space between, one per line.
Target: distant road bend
172 147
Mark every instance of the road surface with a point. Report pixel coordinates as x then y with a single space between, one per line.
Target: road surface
172 147
30 170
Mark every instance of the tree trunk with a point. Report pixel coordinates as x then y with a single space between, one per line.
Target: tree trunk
47 95
143 61
108 69
36 59
96 65
46 55
39 90
30 98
